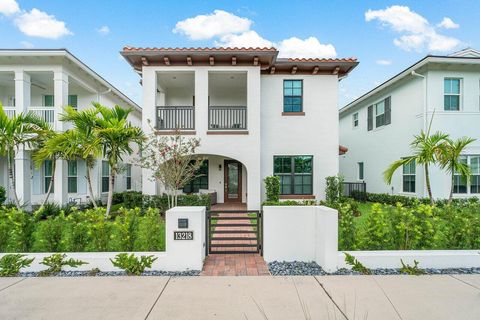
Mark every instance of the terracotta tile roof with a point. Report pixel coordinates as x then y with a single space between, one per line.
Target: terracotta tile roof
352 59
206 49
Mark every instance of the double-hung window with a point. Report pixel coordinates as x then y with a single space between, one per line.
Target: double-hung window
355 119
72 176
471 184
451 97
129 176
460 182
409 171
73 101
292 95
475 174
379 114
296 174
200 181
47 175
105 176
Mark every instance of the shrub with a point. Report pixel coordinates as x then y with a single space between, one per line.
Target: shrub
125 229
334 189
272 188
376 232
75 235
290 203
3 196
151 232
131 264
346 227
18 227
356 265
411 270
10 264
48 234
55 263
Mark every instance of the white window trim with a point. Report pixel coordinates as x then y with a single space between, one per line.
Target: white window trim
468 193
358 171
409 174
353 120
460 94
102 176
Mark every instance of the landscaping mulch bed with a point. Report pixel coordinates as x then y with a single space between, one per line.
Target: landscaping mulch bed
191 273
297 268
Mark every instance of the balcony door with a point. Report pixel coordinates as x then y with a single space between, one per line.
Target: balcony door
233 181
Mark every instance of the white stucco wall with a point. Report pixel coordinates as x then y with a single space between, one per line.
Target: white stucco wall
315 133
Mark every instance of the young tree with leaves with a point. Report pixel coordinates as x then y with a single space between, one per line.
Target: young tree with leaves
173 161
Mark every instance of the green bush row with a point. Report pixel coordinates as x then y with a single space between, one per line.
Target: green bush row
411 228
134 199
89 230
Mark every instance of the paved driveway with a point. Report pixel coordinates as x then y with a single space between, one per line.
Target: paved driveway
328 297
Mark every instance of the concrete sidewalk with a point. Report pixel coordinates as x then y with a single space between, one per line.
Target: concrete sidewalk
328 297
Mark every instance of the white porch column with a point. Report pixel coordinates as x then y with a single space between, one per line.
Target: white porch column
201 101
23 177
254 178
22 159
149 94
60 92
22 91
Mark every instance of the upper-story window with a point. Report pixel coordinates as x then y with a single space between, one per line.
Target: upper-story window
355 119
451 97
292 95
381 112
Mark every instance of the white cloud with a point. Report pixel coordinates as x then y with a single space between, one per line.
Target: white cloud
9 7
417 33
229 30
384 62
448 23
245 39
217 24
26 44
37 23
308 48
103 30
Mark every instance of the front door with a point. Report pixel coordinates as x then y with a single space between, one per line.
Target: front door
233 181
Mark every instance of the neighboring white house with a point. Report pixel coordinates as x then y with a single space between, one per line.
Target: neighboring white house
378 127
256 115
44 81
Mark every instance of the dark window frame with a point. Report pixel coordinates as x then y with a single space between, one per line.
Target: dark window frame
292 96
105 178
361 170
198 182
409 184
72 177
292 174
128 175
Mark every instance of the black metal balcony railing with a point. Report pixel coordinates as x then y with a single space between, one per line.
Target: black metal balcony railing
227 118
173 118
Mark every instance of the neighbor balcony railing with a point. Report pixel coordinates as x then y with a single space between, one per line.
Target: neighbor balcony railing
9 111
173 118
47 114
227 118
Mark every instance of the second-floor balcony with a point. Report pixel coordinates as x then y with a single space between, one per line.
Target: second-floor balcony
219 118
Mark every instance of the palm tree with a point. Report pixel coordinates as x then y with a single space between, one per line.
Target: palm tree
81 142
450 159
426 149
18 131
116 135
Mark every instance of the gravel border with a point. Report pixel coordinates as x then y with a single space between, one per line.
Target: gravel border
190 273
298 268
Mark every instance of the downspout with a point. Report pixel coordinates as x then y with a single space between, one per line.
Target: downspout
413 73
425 121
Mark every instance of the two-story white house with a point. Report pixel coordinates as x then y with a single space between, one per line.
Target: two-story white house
378 127
44 81
255 114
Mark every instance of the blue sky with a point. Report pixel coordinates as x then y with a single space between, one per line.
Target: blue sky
386 36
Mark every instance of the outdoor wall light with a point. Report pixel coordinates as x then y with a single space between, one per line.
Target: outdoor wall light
219 167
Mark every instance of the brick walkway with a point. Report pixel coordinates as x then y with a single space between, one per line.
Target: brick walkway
249 264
